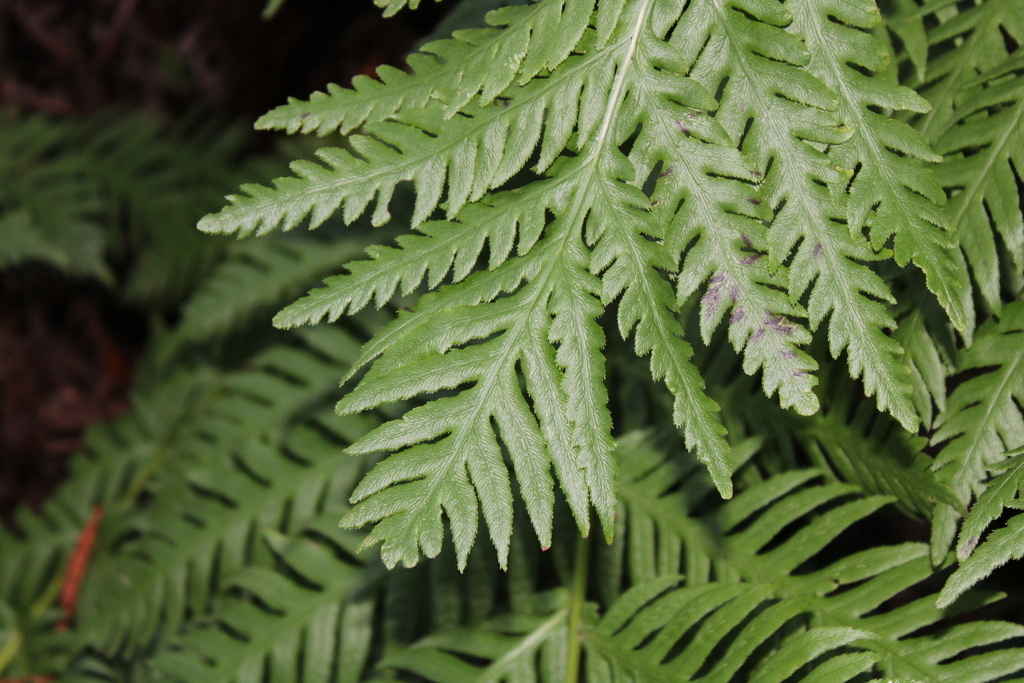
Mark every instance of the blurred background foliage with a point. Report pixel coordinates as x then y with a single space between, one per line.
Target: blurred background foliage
123 122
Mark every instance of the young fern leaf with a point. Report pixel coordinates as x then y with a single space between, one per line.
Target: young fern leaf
983 146
1002 545
892 193
982 419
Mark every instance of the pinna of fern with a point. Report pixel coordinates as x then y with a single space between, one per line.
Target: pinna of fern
784 183
755 602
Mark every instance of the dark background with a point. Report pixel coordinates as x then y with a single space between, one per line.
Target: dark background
67 347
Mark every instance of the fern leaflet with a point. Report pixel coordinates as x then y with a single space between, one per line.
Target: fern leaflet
982 144
982 419
1002 491
891 193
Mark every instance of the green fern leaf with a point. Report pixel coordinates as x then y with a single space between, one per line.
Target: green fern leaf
1002 545
257 276
241 463
875 454
789 112
716 226
661 496
445 248
290 624
590 201
976 563
759 620
982 145
983 418
976 35
928 366
891 193
905 19
616 649
537 36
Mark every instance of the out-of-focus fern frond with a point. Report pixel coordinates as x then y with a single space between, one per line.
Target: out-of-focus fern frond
755 601
117 459
255 278
83 196
304 621
974 35
240 466
744 540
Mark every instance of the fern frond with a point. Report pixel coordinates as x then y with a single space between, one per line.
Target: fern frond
255 277
77 249
592 198
982 419
758 620
735 543
636 639
790 111
484 61
638 184
79 194
242 464
299 622
877 456
117 457
892 193
927 361
1004 544
391 7
905 19
975 37
205 535
706 212
633 641
982 145
445 248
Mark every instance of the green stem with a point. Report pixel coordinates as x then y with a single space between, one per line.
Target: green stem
576 599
